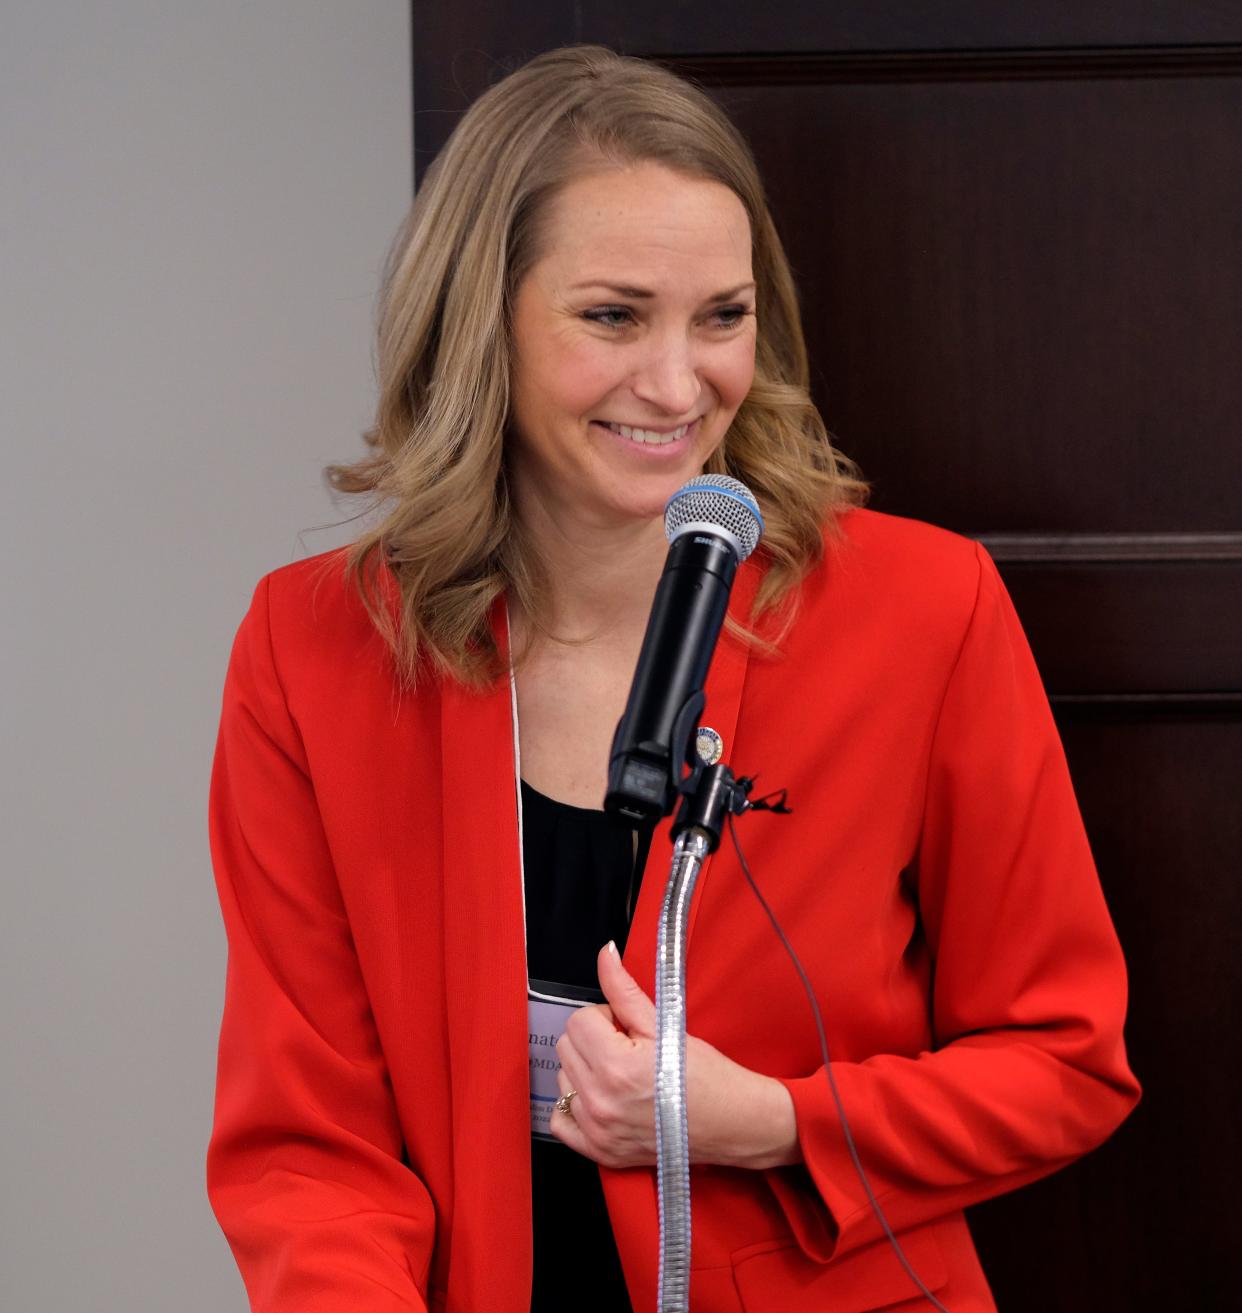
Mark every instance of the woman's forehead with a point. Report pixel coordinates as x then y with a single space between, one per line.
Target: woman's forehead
629 227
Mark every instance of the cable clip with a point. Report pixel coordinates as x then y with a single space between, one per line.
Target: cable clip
770 802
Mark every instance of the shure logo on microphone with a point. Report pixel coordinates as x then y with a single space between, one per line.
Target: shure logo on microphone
703 538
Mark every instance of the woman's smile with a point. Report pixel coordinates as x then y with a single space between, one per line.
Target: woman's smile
659 436
652 441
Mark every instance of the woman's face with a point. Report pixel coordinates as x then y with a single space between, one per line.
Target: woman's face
633 342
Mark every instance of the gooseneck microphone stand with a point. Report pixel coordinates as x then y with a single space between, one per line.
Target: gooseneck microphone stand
713 524
710 795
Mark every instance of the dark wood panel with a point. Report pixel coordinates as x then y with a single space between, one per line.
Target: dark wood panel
1015 228
459 50
1011 287
1133 627
1108 708
1031 549
821 68
1147 1221
707 27
644 26
1008 285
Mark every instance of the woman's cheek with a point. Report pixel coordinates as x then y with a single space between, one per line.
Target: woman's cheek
739 371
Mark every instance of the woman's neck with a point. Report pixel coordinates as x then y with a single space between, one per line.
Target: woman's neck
600 576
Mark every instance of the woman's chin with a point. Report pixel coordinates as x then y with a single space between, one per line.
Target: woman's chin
645 499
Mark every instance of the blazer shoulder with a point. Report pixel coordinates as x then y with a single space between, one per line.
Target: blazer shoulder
901 543
927 574
311 586
316 619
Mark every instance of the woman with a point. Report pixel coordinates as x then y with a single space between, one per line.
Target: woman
588 306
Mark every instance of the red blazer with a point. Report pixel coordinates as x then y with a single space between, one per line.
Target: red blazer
371 1141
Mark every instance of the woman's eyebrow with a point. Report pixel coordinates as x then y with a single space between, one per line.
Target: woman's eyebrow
731 293
642 293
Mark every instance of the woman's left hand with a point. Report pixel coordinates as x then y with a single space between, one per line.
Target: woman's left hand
736 1117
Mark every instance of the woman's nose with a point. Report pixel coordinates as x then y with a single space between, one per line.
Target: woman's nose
669 378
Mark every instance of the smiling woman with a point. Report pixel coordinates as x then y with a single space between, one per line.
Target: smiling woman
588 306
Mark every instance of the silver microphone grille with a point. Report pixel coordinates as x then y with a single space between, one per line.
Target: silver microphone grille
715 502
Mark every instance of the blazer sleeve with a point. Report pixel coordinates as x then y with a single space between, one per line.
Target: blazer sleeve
1028 997
304 1168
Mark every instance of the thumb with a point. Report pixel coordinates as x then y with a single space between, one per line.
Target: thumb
633 1011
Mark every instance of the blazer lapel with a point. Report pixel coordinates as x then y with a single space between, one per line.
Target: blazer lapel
485 966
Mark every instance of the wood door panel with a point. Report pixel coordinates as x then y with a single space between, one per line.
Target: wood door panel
1141 627
657 27
1017 232
1146 1221
1023 298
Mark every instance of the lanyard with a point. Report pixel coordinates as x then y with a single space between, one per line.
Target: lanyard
517 788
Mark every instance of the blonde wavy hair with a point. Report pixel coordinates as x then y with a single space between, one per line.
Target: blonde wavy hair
449 534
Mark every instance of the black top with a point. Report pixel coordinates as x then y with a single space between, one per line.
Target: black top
582 880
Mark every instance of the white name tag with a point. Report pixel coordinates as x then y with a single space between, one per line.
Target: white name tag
549 1006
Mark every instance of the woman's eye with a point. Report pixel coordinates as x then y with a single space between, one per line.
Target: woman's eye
729 316
620 316
611 316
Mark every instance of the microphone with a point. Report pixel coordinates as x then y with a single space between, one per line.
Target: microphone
713 524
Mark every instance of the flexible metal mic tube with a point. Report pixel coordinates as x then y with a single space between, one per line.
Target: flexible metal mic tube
672 1135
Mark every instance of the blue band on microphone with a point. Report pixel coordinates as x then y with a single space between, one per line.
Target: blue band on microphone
719 491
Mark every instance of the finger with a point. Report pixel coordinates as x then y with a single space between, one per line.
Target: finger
594 1032
570 1134
608 1064
633 1010
569 1048
564 1125
573 1073
564 1086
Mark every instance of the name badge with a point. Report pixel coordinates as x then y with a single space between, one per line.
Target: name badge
549 1006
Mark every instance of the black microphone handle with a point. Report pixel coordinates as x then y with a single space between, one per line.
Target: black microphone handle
654 735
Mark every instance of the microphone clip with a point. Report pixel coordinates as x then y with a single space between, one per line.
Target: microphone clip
711 793
774 802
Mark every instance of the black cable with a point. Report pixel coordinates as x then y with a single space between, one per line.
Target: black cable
832 1084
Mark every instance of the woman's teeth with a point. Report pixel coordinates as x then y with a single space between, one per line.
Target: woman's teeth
646 435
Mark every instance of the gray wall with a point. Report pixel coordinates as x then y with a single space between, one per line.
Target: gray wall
194 206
